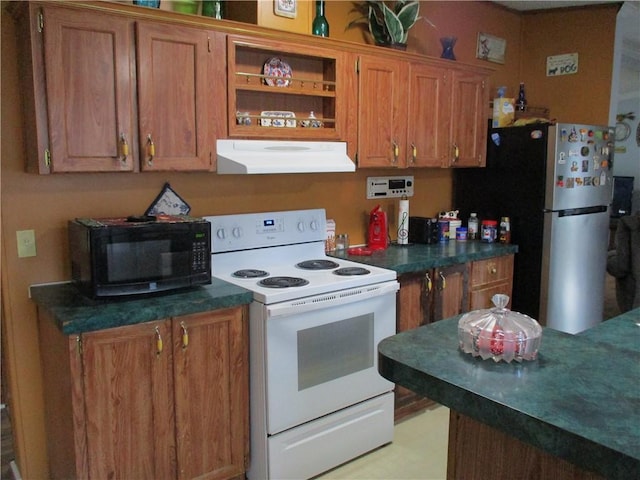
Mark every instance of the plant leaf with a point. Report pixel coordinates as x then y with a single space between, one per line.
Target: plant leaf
395 28
408 15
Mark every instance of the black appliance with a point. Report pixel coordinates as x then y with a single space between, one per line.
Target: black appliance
139 255
423 230
554 182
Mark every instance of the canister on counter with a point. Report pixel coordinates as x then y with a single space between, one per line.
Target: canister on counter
461 234
454 223
443 230
489 231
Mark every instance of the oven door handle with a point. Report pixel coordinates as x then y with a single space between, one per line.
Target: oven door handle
332 299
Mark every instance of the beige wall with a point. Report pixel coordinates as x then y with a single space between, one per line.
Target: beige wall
45 203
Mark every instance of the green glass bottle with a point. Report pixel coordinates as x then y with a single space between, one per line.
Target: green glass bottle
320 25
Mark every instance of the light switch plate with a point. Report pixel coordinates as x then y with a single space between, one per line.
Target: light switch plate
26 243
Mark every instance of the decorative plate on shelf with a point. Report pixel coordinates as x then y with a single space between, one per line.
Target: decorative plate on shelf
278 119
274 67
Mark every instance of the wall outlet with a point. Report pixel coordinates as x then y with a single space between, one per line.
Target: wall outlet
26 243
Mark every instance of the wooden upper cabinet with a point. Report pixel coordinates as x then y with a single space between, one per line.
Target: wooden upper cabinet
317 81
468 133
428 123
175 97
382 114
88 60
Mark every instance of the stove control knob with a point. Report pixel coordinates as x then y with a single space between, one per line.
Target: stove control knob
236 232
301 226
221 234
314 225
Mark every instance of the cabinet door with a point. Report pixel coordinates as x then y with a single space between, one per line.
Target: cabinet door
468 137
175 97
382 112
489 277
412 311
90 96
212 385
428 123
451 293
127 382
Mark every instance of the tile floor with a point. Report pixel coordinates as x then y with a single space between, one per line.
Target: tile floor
418 451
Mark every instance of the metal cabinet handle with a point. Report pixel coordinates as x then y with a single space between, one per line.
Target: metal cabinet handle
185 336
151 149
414 153
159 344
443 281
124 148
456 153
396 151
428 283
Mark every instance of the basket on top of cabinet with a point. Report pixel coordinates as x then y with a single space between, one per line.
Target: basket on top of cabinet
304 83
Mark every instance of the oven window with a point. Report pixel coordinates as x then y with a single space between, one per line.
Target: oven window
333 350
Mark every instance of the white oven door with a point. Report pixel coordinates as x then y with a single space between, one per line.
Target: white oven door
321 352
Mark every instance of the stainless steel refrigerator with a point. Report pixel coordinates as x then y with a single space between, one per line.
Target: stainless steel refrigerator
555 184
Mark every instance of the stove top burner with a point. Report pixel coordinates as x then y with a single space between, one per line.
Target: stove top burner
283 282
249 273
317 264
348 271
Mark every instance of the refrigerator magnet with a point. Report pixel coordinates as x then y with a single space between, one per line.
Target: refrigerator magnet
562 159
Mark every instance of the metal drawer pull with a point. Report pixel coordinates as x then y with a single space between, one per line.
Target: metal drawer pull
428 283
443 281
124 148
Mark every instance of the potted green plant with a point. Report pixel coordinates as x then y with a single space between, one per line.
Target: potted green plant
387 22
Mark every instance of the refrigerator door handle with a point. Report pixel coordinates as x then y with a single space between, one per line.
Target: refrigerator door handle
582 211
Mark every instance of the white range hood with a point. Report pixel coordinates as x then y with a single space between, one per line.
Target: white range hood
282 156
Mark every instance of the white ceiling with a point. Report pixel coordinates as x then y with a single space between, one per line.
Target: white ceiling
523 5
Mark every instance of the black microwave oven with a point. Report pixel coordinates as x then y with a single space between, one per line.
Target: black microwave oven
138 255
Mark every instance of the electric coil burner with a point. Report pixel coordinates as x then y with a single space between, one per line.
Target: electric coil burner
317 265
249 273
347 271
317 399
283 282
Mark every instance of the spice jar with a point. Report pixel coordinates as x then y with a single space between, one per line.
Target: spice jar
489 231
505 230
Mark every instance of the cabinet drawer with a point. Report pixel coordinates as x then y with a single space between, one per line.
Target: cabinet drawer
492 270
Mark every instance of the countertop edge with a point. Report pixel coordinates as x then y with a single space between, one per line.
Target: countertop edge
566 445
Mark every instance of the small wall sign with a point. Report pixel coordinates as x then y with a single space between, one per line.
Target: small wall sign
566 64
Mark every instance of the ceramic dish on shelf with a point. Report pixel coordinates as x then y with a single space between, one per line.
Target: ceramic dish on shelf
277 119
274 67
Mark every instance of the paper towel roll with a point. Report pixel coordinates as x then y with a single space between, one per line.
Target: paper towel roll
403 222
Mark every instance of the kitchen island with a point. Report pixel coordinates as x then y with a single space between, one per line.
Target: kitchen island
572 413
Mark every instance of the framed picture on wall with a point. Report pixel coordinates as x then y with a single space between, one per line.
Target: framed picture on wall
491 48
285 8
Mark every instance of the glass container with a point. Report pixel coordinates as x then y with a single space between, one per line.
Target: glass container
499 333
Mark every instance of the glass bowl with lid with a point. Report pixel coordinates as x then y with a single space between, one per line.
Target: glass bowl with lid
499 333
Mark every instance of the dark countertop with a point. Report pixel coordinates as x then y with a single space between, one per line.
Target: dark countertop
420 257
580 400
75 313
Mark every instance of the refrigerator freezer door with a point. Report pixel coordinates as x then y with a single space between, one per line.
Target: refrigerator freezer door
579 175
574 266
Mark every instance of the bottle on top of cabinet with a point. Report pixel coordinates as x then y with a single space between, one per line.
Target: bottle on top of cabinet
521 104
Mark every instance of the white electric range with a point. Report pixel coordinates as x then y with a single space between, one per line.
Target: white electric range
317 399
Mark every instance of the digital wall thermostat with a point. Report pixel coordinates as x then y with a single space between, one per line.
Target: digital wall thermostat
390 187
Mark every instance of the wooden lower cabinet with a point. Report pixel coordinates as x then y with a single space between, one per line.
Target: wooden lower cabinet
489 277
157 400
478 451
427 297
